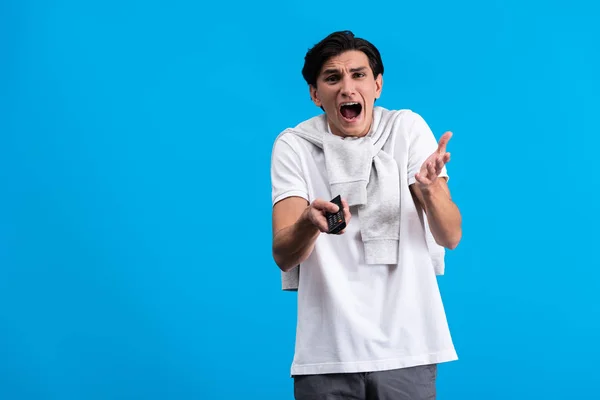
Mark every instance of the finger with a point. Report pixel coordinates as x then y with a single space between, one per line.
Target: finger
345 204
319 221
439 164
431 171
447 158
316 216
324 205
347 214
444 142
422 180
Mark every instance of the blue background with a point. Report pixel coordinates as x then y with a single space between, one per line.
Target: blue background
135 231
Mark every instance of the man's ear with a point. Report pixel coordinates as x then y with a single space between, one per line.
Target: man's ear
314 95
379 85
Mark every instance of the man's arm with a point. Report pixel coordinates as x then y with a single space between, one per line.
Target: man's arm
296 227
434 196
443 215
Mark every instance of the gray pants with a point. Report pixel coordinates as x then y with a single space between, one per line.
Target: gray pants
414 383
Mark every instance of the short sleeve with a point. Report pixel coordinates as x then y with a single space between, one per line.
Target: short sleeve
422 144
287 178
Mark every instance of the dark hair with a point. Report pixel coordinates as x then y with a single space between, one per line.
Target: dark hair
333 45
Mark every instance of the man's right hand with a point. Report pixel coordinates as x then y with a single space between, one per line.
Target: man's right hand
315 213
296 227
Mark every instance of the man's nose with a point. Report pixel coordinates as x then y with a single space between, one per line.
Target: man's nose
348 87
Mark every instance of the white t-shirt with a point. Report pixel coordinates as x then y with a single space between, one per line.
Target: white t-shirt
355 317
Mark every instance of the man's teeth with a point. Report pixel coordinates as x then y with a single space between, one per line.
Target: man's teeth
349 104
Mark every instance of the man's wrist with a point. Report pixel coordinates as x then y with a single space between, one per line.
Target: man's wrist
434 189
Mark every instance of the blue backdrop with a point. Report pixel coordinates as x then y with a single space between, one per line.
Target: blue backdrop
135 231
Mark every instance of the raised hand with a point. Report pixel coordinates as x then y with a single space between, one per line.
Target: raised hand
432 167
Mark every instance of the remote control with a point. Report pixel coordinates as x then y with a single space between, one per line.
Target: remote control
336 221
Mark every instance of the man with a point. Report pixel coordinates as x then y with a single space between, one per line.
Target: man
371 324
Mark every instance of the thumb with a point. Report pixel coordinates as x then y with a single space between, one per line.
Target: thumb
324 205
444 142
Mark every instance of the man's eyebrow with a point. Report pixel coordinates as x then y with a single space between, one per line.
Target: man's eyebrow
331 71
337 71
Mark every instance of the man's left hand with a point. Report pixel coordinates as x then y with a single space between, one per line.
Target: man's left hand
432 167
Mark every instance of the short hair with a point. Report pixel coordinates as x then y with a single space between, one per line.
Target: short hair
332 46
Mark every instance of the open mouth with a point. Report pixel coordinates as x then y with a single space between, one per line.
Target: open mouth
350 111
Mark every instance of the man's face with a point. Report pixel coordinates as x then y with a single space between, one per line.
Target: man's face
347 89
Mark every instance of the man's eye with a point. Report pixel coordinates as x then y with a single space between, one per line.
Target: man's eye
331 78
359 75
